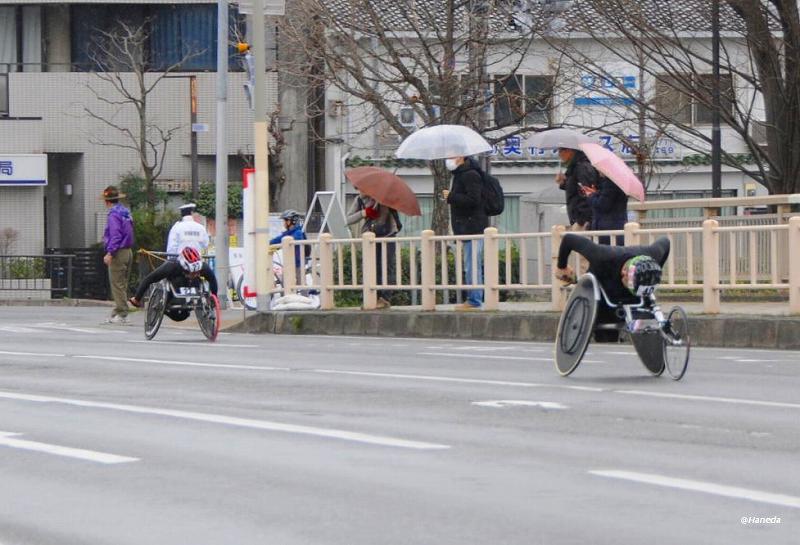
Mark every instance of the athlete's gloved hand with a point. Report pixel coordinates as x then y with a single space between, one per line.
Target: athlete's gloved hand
566 275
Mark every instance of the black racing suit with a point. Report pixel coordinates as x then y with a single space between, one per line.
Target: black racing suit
177 276
605 263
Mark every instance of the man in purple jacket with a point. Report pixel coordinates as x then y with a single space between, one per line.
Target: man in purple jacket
118 240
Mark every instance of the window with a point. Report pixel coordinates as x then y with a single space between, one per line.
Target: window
20 38
687 100
523 99
3 94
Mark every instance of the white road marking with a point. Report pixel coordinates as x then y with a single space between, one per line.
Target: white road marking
483 356
500 403
456 379
701 486
6 440
17 329
199 343
32 354
237 422
712 398
186 363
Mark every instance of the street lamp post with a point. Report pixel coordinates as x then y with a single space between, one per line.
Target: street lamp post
716 136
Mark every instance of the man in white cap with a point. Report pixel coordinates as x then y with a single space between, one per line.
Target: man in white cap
187 232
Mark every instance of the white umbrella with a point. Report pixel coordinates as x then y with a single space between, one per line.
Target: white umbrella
441 142
560 138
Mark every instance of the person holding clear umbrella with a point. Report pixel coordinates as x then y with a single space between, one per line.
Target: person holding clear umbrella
468 217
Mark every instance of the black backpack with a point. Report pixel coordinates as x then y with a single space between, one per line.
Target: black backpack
492 195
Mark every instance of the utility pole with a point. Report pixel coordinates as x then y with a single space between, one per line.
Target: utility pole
716 136
261 142
221 186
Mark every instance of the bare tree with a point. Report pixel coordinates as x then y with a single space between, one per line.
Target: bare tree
121 60
669 43
445 62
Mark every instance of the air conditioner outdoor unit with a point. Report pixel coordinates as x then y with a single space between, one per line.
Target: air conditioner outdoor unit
407 117
758 132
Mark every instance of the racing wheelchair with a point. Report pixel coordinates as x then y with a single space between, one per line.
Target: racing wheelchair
661 341
178 302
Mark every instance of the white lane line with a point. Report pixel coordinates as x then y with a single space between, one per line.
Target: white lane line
330 433
6 352
500 403
89 455
199 343
16 329
702 486
733 400
483 356
456 379
186 363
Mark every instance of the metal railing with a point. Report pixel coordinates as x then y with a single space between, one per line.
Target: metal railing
711 258
36 276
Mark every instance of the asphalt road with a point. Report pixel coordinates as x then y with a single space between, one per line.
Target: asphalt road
106 438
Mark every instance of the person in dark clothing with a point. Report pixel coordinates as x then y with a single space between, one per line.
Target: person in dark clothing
579 173
619 269
609 208
183 272
468 217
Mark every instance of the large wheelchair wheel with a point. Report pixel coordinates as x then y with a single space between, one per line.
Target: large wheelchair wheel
154 314
575 326
676 343
209 316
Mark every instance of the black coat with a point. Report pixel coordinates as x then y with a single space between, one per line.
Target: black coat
467 213
609 206
579 171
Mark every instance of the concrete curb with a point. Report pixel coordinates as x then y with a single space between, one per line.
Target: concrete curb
730 331
55 303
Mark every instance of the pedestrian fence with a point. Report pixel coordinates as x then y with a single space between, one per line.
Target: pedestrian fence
712 257
36 276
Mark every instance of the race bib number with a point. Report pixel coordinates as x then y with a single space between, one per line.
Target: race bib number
187 291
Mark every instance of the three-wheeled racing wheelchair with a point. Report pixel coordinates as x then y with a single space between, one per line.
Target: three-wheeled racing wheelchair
661 341
178 301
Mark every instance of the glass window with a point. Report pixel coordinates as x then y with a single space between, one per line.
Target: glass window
703 110
538 99
671 101
508 100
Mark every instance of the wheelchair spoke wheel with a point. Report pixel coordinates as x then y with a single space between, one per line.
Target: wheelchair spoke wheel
248 302
575 327
154 314
677 343
209 316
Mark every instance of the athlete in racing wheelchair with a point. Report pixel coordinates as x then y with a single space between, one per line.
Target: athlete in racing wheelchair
618 294
179 287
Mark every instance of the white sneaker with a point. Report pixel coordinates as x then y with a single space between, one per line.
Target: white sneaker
117 319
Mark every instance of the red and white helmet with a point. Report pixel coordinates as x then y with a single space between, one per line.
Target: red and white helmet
190 260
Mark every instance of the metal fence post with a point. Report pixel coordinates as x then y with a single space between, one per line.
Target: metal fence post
794 265
326 298
69 276
369 272
632 234
557 295
711 292
428 267
289 266
491 274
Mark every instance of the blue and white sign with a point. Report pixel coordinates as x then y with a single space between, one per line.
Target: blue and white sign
605 90
517 148
23 170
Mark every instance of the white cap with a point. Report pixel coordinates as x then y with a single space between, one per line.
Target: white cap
187 206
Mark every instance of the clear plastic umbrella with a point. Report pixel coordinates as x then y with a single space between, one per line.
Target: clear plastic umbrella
441 142
560 138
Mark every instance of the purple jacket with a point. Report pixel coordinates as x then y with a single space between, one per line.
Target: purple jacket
119 229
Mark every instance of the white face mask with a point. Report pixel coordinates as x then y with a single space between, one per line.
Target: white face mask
450 164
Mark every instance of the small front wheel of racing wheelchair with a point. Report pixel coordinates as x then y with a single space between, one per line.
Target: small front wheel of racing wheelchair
676 343
576 325
208 315
154 314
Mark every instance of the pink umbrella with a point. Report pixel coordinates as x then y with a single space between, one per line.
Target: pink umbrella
615 169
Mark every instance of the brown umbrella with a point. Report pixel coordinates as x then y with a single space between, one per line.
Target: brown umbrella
386 188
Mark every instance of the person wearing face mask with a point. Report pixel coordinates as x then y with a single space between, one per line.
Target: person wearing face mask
468 217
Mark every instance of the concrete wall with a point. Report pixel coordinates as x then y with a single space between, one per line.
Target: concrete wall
22 209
